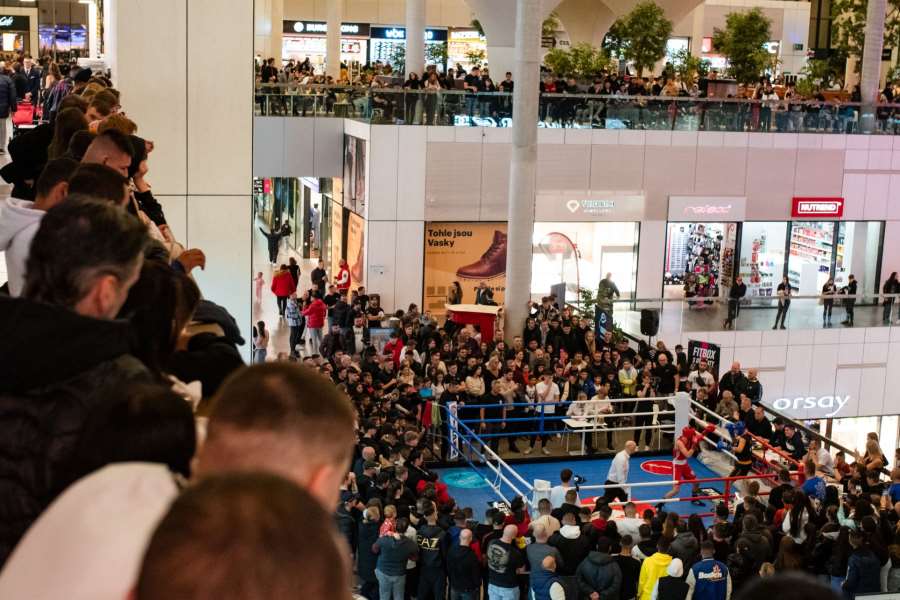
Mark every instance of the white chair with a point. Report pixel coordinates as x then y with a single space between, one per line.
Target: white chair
661 430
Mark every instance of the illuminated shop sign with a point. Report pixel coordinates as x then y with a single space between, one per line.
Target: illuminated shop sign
603 206
817 207
705 208
15 22
321 28
830 405
399 33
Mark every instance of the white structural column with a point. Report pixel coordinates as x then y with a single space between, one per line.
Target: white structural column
201 122
415 36
276 37
523 167
333 42
871 65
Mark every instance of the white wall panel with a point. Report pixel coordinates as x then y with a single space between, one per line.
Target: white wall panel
175 209
891 381
218 139
157 103
850 354
221 227
381 259
746 355
359 129
847 382
823 366
383 168
772 357
328 152
268 146
650 259
797 375
411 152
299 147
875 353
410 254
747 338
871 390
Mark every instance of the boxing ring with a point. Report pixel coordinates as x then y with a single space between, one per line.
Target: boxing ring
483 476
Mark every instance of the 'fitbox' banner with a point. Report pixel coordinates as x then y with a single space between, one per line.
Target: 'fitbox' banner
698 351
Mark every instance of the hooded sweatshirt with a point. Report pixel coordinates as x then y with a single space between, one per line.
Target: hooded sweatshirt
651 570
573 546
18 224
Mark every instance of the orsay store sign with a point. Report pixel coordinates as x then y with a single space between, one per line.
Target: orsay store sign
707 208
813 407
321 28
817 208
590 206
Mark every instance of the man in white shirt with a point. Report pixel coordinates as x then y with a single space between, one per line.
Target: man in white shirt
601 406
409 351
558 492
630 524
546 396
702 378
821 457
618 474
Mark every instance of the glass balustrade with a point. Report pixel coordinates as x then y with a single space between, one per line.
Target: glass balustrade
574 111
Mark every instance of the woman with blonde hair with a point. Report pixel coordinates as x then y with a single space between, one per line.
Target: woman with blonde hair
873 459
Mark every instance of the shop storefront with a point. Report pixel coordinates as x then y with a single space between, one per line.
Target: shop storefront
463 46
701 239
388 43
579 238
15 33
816 246
307 39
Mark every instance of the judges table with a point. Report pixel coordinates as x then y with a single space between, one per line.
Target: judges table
475 314
583 425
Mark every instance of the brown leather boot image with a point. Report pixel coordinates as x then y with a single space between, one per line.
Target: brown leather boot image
491 264
356 270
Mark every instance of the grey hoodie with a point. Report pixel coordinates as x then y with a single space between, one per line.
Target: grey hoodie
18 224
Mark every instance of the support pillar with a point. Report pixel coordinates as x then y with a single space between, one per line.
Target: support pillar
871 66
415 36
333 42
523 166
276 37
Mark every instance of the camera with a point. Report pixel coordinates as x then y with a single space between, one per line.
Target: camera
578 480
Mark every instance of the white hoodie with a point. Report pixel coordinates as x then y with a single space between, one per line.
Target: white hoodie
18 224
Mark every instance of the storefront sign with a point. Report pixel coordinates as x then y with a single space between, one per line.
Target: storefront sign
602 206
707 208
465 34
15 23
711 353
817 207
822 406
399 33
321 28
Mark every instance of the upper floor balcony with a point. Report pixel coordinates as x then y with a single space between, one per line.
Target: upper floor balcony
396 106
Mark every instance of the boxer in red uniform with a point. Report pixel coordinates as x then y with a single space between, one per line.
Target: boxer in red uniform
685 447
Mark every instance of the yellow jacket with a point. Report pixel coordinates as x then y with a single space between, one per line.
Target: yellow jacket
628 382
651 570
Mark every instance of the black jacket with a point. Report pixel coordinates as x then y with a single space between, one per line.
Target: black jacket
463 569
600 573
58 367
366 536
573 550
7 96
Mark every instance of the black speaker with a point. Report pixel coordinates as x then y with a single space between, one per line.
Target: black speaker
649 321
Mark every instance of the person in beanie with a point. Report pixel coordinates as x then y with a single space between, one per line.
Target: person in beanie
672 585
708 579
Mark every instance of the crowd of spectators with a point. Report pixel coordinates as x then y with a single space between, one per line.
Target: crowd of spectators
140 458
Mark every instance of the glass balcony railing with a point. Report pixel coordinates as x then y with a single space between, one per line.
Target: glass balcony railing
575 111
700 314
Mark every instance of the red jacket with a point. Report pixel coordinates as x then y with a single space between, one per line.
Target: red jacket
315 314
283 284
343 279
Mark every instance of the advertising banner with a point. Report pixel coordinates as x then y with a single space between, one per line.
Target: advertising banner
356 248
468 253
337 240
603 321
698 351
355 174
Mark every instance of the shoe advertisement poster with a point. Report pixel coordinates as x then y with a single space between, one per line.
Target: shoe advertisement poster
468 253
356 248
355 175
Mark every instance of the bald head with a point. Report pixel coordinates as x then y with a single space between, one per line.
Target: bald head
509 533
549 563
465 537
630 447
540 533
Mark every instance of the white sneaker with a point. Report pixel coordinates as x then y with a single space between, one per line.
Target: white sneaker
527 450
546 451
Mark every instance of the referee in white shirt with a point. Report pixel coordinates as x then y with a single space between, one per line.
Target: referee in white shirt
618 474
